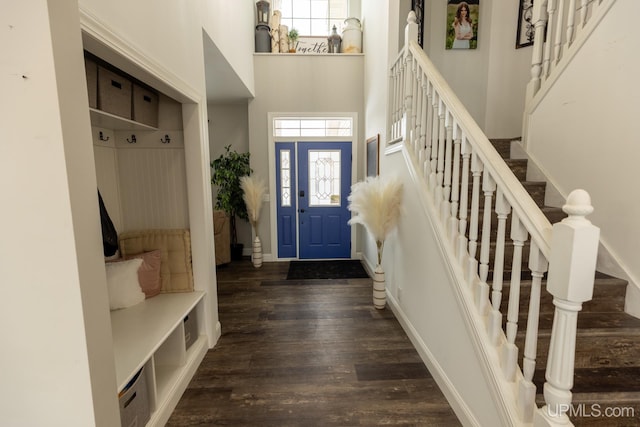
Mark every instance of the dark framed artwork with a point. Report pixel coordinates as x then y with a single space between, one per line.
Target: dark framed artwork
462 24
373 152
418 7
526 30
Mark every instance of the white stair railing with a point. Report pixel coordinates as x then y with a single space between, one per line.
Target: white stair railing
561 26
467 181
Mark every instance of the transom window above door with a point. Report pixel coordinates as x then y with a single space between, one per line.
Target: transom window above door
312 127
312 17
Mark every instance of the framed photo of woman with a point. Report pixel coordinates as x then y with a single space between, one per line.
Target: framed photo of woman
462 24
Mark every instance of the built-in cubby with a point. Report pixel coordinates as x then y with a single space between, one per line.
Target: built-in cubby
152 335
141 172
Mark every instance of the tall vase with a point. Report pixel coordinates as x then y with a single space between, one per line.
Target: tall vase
256 255
379 293
352 36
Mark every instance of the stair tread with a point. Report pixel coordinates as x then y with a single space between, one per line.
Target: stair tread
600 380
607 366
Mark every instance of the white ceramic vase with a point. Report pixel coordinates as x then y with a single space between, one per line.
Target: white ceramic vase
352 36
379 293
256 254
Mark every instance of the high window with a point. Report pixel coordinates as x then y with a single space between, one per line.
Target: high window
313 127
313 17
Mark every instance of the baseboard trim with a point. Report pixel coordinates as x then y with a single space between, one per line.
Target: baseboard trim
463 412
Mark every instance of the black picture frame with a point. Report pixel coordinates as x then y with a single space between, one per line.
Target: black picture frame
418 7
526 29
373 154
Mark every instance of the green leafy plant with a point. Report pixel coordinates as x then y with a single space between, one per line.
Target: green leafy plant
293 35
226 173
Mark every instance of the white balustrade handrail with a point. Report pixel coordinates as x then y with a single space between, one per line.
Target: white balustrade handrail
471 188
561 28
534 220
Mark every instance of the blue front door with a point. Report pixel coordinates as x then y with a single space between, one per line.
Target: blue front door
324 182
312 212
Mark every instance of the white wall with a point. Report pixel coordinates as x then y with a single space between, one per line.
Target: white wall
55 314
490 80
376 94
299 83
229 125
418 277
584 134
231 26
55 317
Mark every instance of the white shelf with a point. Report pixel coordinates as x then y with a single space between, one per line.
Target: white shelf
106 120
140 330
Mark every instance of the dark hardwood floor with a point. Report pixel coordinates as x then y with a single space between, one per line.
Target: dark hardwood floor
308 353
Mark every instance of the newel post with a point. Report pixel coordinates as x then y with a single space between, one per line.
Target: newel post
572 265
410 30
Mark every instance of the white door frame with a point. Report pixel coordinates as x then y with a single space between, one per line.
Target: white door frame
271 141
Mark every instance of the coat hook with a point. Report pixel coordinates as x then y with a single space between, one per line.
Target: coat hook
102 138
133 139
166 139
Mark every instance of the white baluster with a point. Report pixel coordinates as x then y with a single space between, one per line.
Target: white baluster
408 84
442 136
434 140
476 171
445 209
571 23
557 48
583 12
510 351
551 13
464 201
527 390
399 98
539 22
495 321
418 116
428 132
393 97
390 112
455 187
424 112
488 188
572 265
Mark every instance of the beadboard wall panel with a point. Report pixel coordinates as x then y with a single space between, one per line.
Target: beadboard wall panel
106 161
153 188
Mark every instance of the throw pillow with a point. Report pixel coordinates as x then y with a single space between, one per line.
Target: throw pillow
122 284
149 272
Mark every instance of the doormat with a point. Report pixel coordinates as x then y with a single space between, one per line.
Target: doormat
343 269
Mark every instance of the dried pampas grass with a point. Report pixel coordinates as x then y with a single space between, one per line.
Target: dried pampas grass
252 191
376 204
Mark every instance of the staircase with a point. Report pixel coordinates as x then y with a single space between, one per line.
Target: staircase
522 287
607 358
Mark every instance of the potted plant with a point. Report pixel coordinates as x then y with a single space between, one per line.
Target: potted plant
226 173
293 38
254 189
376 204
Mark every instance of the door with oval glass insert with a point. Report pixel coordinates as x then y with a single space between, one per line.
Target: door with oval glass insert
312 203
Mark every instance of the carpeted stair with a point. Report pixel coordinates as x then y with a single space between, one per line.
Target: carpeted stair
606 389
